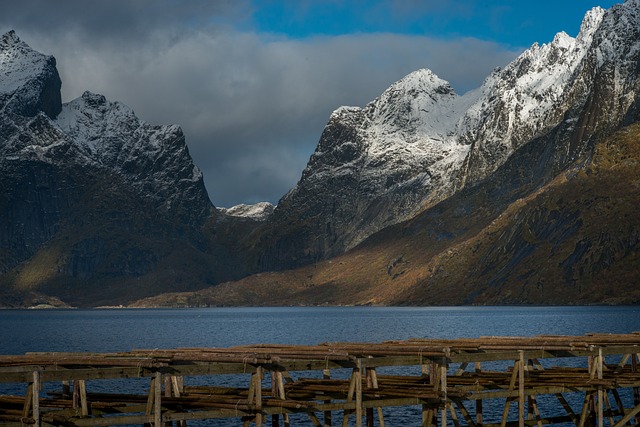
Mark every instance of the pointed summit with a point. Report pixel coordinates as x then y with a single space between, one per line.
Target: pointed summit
9 38
425 80
29 80
590 23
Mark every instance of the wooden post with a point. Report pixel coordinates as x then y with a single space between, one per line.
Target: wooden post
28 401
534 411
636 390
350 396
374 382
600 363
76 395
512 386
326 374
426 417
167 386
36 398
443 389
454 416
435 381
607 404
275 393
478 369
369 411
359 405
283 396
585 413
521 394
177 387
150 399
157 400
256 379
82 391
168 389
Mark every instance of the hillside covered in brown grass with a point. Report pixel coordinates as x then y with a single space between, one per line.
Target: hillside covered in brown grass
575 240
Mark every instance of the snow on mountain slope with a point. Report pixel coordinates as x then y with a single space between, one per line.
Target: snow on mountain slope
421 128
412 125
155 159
258 212
406 137
419 142
524 100
29 81
97 205
92 131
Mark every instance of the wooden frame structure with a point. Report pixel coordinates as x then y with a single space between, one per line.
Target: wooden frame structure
450 380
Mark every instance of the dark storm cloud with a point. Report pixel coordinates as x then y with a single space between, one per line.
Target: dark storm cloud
252 106
132 20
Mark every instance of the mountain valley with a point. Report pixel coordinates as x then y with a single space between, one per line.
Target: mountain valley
523 191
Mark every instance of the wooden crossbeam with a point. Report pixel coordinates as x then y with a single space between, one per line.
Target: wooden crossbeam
442 394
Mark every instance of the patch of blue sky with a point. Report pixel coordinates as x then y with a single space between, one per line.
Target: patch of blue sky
511 23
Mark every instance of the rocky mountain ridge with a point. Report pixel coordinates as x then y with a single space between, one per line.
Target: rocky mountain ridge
155 159
98 206
419 142
407 200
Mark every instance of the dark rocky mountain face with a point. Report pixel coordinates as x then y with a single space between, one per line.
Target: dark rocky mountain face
421 197
97 206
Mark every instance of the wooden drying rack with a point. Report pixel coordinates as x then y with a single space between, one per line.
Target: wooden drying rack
446 378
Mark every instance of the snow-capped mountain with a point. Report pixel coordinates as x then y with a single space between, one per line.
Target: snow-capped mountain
419 142
92 194
154 159
100 207
30 82
102 134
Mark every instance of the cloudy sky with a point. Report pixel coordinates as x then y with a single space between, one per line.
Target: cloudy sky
253 82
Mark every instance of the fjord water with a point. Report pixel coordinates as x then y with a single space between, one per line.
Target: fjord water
125 329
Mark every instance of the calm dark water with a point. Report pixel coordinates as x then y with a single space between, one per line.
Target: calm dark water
121 330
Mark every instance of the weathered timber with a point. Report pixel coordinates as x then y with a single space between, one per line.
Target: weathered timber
444 377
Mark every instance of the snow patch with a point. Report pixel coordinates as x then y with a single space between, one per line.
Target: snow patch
259 212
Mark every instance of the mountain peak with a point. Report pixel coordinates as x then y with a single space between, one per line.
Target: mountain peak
29 80
9 38
590 23
420 105
563 39
423 80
